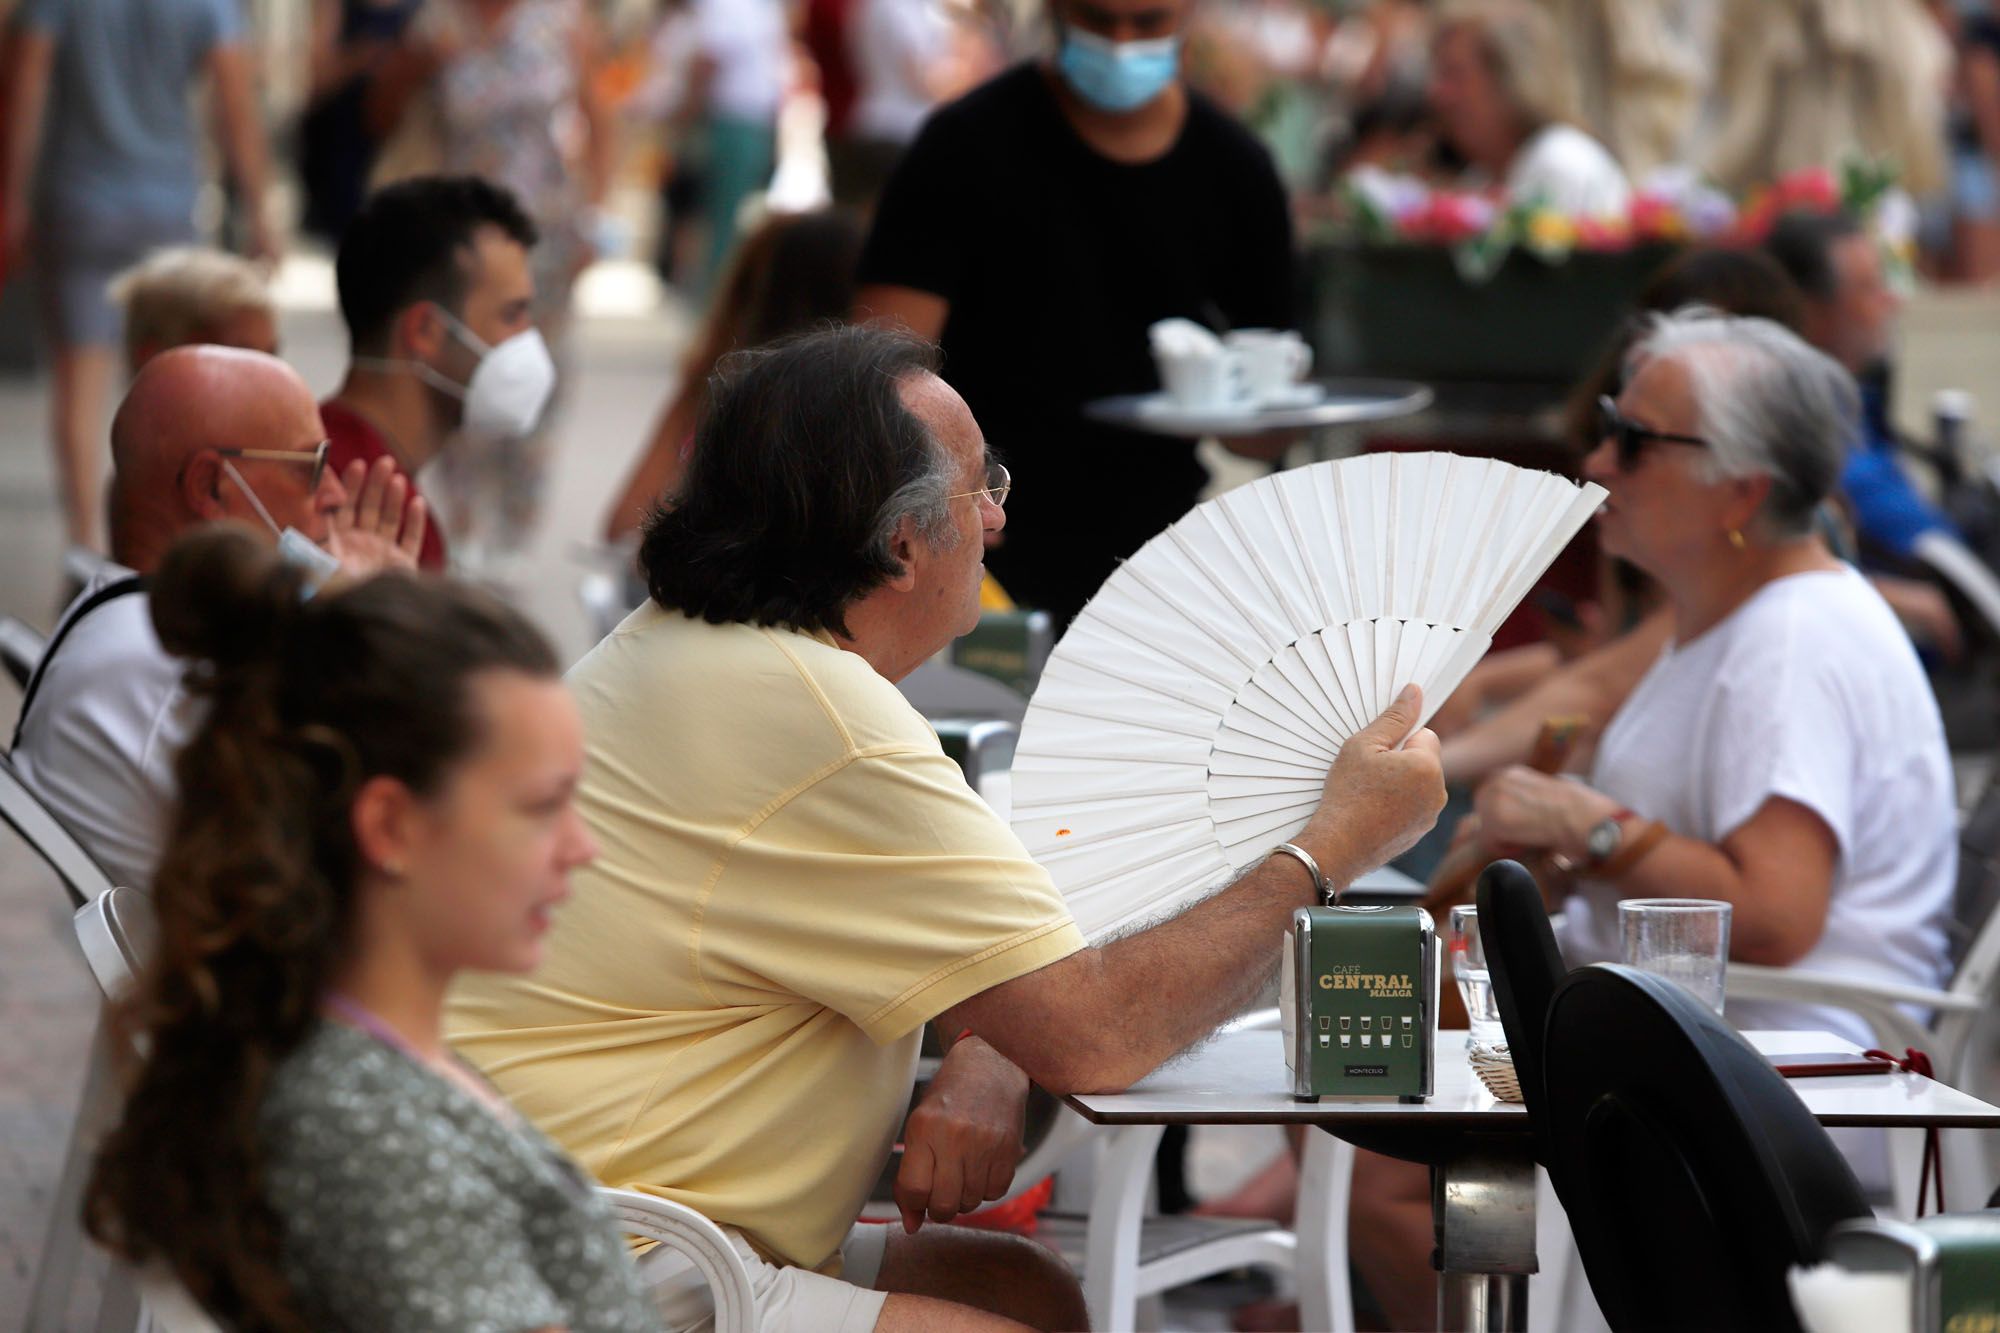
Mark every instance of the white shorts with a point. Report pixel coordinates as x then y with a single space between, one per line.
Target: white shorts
789 1300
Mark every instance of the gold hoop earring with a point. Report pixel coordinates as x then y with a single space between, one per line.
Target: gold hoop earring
1736 538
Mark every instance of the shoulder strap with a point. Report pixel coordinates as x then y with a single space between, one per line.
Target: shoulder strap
110 592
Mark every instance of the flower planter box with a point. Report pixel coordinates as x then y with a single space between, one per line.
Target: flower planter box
1407 311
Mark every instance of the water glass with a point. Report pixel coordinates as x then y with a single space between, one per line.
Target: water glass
1475 983
1685 940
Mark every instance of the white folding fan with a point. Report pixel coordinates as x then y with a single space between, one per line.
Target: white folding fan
1185 723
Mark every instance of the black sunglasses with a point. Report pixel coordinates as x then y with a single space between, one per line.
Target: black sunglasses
1629 437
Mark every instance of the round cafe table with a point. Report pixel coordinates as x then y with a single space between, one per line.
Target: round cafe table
1341 402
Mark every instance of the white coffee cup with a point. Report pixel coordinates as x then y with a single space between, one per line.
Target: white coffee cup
1201 380
1273 361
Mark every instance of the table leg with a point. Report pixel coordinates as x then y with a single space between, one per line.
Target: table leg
1483 1200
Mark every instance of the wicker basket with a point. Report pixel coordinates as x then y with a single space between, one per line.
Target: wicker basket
1495 1067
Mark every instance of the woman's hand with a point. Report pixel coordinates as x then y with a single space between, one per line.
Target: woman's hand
1520 808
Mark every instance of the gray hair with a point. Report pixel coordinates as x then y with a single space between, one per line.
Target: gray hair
1768 403
925 500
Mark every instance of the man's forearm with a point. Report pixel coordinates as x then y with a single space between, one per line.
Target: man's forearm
1213 960
1106 1016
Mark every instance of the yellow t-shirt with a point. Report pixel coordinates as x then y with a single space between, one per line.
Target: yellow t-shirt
793 880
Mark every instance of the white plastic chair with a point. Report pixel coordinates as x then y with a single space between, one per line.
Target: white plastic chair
21 648
1128 1256
701 1242
85 882
1955 1011
26 815
1954 562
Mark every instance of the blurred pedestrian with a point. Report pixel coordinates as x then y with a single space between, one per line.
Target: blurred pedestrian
795 271
1964 218
352 42
910 56
737 84
510 84
101 167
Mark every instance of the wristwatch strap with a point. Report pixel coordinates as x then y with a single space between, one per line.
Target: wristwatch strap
1325 891
1631 848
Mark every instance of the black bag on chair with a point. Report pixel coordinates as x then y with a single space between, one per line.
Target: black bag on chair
1693 1175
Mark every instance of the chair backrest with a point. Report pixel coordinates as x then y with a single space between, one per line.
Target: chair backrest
116 931
21 647
1957 565
1978 888
1525 967
1693 1176
686 1231
41 830
169 1308
978 746
1010 646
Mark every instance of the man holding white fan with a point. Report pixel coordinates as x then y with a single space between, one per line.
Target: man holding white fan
795 878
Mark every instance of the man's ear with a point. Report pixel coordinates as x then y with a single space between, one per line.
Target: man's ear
201 485
906 547
419 332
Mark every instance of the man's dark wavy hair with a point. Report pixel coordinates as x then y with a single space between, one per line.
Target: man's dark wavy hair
803 468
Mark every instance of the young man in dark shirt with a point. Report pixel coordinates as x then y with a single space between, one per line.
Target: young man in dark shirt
1036 228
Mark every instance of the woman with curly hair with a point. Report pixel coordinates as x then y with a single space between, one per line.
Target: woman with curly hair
380 798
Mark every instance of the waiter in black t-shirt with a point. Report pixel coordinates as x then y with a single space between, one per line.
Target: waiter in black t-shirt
1036 228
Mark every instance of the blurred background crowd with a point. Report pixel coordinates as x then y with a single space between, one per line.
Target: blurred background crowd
661 133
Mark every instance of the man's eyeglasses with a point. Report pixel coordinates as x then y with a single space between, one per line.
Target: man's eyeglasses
317 458
999 481
1630 438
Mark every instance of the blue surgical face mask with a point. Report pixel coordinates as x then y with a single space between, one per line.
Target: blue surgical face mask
1117 76
294 547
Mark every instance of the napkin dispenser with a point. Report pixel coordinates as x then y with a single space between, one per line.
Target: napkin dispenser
1359 1001
1948 1266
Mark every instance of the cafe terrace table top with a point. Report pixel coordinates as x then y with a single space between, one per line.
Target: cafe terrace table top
1239 1078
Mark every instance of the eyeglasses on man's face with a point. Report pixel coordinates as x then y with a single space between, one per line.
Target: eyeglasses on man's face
317 458
998 482
1630 438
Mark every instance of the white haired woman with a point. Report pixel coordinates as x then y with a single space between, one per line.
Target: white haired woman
1502 92
1783 755
1786 741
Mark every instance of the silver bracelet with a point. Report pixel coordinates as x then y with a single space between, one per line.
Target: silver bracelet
1328 895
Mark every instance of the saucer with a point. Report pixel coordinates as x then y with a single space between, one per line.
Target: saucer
1292 396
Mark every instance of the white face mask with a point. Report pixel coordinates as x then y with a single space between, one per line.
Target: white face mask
294 547
509 389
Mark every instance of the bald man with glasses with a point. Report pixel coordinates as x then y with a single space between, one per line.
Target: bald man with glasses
204 434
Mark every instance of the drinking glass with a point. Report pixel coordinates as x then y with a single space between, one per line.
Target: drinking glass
1685 940
1475 983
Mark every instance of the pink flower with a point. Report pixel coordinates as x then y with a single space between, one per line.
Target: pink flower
1811 188
1603 233
1450 218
